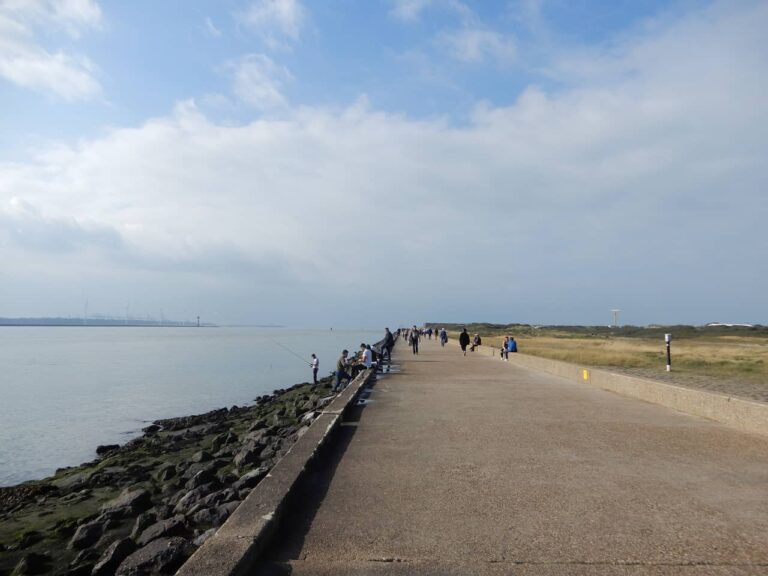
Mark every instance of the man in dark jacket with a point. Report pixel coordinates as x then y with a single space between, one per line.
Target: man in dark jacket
464 341
389 343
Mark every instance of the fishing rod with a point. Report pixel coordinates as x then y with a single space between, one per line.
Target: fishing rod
291 351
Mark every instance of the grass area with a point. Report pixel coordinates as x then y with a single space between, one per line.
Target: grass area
740 353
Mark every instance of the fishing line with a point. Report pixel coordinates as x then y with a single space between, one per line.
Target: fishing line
291 351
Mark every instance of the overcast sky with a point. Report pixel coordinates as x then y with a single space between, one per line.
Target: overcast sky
347 163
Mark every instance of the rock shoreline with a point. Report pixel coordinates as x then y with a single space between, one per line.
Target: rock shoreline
144 507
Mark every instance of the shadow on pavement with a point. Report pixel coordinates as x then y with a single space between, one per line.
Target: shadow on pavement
288 539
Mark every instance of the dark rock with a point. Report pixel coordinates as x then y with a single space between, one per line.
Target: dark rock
206 517
32 563
201 456
260 424
162 511
218 498
151 429
188 501
197 467
246 457
109 520
129 503
79 570
200 540
106 449
225 510
87 556
86 535
167 472
250 479
164 556
143 521
257 438
168 489
205 476
226 452
29 538
218 442
267 453
172 527
227 478
113 557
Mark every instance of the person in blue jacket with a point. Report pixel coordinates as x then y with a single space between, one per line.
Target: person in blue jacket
511 345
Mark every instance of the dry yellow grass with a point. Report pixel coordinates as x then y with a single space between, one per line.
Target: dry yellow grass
730 357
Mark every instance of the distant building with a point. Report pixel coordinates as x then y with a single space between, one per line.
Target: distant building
718 324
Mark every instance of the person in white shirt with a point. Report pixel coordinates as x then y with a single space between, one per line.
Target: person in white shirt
367 356
315 364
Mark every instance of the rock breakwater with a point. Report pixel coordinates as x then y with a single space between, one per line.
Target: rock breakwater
144 507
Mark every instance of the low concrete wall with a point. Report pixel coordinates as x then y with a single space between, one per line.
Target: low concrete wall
242 538
746 415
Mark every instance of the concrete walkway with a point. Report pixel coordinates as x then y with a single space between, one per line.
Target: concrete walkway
473 466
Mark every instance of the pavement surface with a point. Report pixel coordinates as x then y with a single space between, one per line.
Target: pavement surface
470 465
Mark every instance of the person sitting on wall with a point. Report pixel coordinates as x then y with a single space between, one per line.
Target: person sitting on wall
511 345
476 341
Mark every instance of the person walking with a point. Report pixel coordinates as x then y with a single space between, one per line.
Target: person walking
464 340
511 345
315 364
443 337
415 340
389 343
504 352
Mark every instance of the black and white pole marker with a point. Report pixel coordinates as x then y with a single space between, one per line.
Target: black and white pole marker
668 340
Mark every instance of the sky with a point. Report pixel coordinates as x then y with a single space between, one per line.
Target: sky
388 162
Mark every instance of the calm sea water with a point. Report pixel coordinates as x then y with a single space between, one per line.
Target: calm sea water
65 390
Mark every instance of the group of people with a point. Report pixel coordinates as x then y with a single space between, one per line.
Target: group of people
368 357
508 346
414 335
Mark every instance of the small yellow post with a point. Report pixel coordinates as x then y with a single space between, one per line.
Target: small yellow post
585 374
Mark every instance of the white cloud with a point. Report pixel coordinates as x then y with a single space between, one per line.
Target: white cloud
276 20
538 211
409 10
210 28
477 45
258 82
25 62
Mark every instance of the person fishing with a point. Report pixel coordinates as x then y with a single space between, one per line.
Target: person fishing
315 364
341 371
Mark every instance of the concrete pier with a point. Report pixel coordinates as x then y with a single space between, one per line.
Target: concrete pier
472 465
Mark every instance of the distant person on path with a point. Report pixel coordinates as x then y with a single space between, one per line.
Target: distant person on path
341 371
443 337
504 352
464 341
511 345
315 364
389 343
415 340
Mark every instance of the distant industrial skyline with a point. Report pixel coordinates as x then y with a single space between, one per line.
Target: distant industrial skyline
354 164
